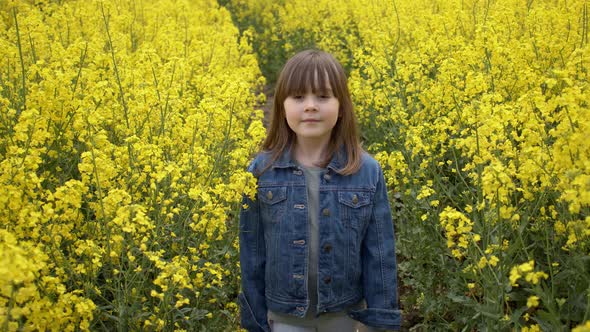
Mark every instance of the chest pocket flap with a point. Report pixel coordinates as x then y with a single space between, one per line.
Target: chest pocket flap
354 199
272 195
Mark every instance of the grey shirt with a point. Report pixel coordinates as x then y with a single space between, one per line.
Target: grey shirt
312 182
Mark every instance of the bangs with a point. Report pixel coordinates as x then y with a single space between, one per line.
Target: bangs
312 74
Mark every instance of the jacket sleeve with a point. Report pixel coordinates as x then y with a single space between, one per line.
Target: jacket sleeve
252 262
379 267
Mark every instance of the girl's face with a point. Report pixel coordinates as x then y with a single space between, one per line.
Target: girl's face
312 115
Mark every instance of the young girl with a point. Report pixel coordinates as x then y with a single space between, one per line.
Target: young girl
317 249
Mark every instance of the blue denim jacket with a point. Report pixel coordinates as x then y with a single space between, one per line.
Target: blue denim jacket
356 244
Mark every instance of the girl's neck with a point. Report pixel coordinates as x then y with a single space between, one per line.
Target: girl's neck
310 153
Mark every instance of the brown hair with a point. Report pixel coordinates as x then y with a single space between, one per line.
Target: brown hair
296 77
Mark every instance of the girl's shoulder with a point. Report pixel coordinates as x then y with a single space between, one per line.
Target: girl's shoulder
259 162
369 163
370 172
369 159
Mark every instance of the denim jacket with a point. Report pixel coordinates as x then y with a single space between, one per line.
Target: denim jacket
356 244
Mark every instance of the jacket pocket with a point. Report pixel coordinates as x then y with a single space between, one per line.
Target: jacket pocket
355 211
273 203
355 207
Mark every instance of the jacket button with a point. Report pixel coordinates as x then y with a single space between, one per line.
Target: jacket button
355 199
297 172
269 195
300 308
327 247
327 177
327 279
326 212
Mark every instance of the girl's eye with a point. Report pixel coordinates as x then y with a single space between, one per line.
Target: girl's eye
297 97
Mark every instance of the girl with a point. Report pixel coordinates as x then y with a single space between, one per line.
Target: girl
317 248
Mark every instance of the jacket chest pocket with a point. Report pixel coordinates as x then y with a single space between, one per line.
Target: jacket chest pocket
273 203
355 207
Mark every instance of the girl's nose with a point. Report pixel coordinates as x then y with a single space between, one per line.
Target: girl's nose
310 103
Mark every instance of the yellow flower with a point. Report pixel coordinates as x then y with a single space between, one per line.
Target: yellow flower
494 260
534 277
124 129
458 228
526 270
585 327
482 262
559 228
532 301
514 276
532 328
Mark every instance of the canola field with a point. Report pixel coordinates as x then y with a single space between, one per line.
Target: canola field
126 127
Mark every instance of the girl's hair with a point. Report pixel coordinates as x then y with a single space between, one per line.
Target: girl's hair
306 70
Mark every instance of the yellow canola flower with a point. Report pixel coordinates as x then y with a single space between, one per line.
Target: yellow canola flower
127 117
532 328
114 113
39 303
585 327
532 301
526 270
484 261
457 230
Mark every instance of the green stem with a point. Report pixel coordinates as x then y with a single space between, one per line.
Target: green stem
22 65
30 133
165 109
82 58
106 23
221 153
587 313
100 197
11 303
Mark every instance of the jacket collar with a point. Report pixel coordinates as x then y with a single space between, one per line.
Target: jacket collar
337 163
